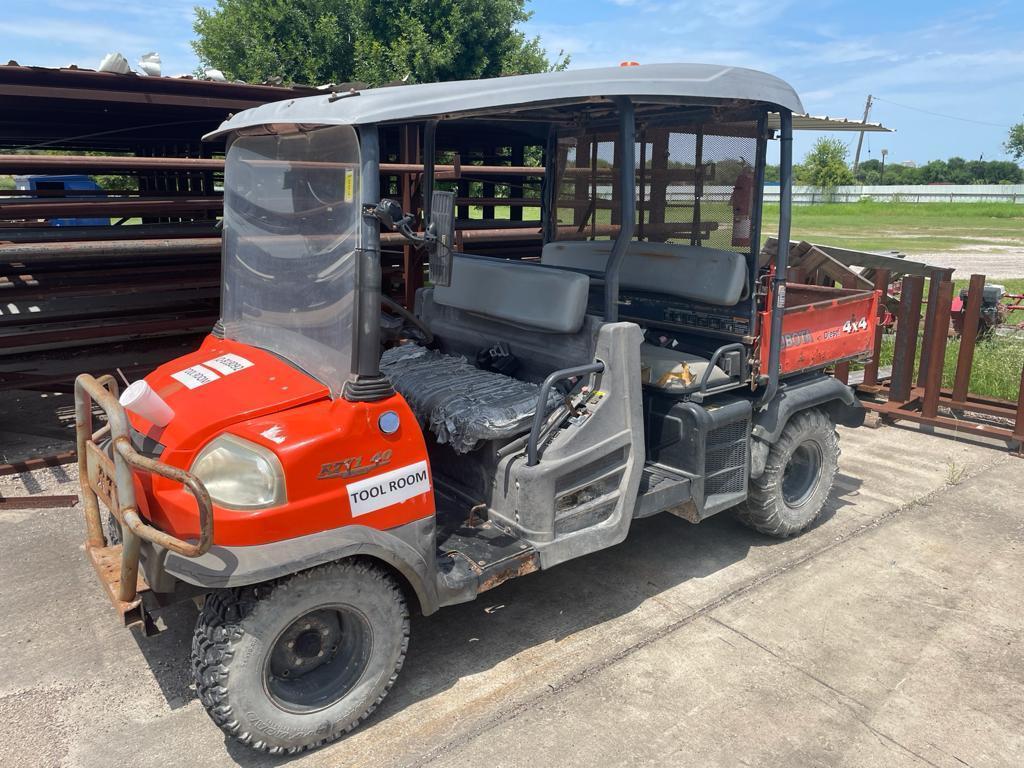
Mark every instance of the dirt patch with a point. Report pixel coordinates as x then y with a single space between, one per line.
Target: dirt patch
993 261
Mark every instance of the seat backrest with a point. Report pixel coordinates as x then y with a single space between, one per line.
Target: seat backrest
517 293
539 352
692 272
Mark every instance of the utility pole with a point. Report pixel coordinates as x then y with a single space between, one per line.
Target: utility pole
860 141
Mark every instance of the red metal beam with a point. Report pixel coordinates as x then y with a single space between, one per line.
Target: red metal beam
907 326
111 206
28 465
37 502
871 368
27 253
17 164
936 344
969 337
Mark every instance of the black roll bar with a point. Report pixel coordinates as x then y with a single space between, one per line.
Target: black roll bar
627 221
758 211
781 260
550 191
366 341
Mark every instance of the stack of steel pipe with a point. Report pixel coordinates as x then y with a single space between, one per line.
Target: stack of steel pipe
75 295
124 277
147 280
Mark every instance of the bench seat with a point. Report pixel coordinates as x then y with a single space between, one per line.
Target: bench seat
461 404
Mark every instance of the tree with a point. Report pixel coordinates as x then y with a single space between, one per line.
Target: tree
1015 142
869 172
336 41
1002 172
825 165
933 172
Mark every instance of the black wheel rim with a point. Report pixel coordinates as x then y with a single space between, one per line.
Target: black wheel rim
800 477
318 659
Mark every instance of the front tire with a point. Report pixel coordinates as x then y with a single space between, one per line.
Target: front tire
797 479
291 665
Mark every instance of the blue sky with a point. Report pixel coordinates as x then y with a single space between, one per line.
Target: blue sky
961 59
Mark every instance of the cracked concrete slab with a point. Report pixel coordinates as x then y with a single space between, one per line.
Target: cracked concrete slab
704 644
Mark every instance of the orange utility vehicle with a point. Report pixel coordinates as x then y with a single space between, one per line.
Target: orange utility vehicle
309 484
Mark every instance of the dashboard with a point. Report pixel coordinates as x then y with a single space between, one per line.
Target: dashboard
732 323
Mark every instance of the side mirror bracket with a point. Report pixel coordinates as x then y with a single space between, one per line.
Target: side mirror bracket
439 237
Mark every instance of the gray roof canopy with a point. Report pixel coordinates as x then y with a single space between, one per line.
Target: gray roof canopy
458 98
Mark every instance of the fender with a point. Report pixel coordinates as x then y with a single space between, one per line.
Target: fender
409 549
794 396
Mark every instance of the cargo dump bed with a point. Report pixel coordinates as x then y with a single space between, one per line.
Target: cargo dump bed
822 326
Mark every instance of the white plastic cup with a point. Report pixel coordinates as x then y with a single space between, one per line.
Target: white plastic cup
141 399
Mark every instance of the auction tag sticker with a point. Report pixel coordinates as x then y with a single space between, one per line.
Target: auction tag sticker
228 364
195 376
349 184
388 488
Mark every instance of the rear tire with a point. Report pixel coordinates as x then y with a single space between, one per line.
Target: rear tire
797 479
291 665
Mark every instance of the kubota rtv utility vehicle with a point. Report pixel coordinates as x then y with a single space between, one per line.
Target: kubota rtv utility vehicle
309 484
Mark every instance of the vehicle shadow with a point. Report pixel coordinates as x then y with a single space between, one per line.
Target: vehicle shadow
661 552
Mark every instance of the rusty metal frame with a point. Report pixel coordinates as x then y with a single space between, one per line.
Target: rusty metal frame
110 479
920 402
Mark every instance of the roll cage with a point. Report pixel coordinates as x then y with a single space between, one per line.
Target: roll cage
623 104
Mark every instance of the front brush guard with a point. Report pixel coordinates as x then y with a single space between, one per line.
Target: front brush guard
109 478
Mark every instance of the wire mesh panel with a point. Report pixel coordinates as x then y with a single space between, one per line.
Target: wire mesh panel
693 185
586 205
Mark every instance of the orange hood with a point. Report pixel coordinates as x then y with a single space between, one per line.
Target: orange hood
220 384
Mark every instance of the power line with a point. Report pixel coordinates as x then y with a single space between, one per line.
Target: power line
939 114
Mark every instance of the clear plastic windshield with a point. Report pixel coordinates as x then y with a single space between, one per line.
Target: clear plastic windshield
291 228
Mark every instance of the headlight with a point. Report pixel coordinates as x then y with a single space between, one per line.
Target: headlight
239 474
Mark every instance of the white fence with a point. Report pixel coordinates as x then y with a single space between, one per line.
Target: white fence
905 193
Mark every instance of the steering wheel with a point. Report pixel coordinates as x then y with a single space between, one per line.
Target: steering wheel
394 308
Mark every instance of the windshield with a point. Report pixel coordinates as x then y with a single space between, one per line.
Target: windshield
291 223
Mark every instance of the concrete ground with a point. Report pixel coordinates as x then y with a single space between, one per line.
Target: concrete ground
890 634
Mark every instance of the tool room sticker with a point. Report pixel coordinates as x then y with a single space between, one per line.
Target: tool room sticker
389 488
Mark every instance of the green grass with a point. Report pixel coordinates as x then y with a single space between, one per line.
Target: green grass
908 227
995 371
868 225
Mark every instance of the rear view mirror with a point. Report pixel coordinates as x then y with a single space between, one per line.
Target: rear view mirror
442 237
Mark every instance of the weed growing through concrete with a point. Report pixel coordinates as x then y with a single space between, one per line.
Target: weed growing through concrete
954 471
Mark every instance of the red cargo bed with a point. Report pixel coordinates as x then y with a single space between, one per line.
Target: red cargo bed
822 326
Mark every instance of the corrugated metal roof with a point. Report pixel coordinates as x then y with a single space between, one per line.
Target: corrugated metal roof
414 102
826 123
88 84
86 109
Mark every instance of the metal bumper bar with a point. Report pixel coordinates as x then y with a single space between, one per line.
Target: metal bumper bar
109 478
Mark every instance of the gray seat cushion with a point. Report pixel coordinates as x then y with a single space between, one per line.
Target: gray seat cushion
518 293
461 404
539 352
689 272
